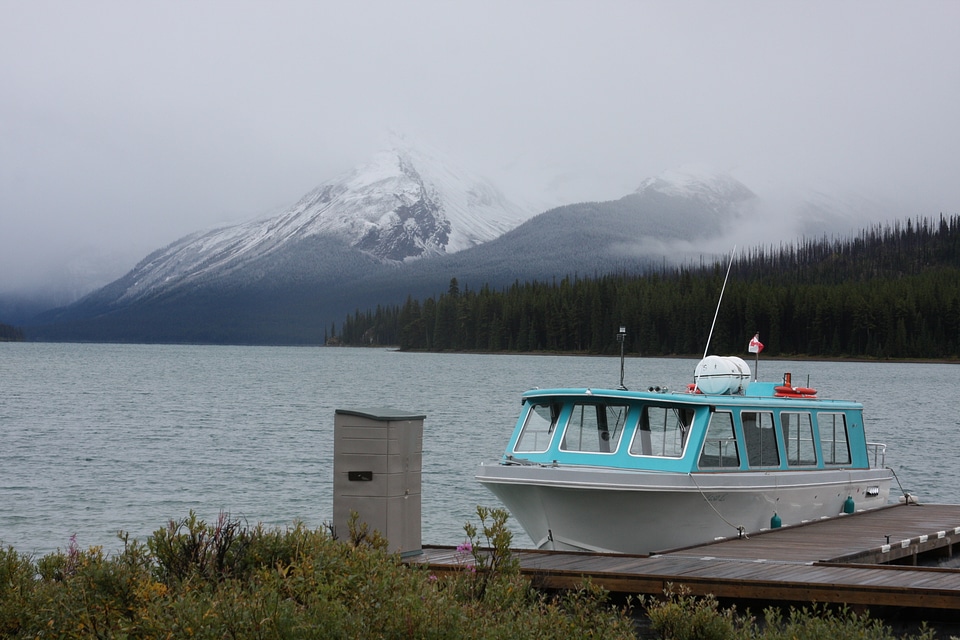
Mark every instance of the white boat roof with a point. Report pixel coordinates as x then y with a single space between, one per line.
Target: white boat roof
756 393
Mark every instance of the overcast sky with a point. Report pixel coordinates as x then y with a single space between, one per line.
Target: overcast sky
126 125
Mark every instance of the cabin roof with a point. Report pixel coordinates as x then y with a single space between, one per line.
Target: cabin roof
755 394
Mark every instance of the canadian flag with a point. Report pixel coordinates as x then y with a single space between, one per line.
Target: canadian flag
755 345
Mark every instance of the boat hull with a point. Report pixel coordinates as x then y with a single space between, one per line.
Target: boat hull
636 512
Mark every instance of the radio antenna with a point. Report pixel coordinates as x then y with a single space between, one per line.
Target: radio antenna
717 312
621 336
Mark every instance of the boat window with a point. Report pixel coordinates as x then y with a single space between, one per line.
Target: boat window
594 428
833 438
760 438
798 433
662 431
538 427
720 446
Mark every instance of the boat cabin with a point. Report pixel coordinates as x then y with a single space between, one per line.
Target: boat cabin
759 429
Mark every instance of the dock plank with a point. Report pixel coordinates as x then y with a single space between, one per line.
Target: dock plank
826 540
812 562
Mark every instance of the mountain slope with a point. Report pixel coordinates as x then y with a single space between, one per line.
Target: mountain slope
356 242
672 213
408 203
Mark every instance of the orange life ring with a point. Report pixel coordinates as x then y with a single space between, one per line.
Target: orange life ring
794 392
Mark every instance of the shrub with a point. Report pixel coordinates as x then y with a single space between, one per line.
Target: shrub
193 579
16 588
823 622
680 616
191 548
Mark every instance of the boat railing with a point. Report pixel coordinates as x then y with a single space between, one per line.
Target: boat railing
877 452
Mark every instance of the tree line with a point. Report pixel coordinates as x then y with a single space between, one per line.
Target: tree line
891 291
10 334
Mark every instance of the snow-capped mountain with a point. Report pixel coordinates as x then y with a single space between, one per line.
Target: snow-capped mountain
700 184
409 202
400 226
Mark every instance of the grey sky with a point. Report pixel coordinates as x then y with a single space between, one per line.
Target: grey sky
125 125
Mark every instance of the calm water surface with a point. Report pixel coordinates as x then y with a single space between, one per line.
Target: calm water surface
100 438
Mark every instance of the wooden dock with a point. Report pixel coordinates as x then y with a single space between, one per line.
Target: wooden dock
869 558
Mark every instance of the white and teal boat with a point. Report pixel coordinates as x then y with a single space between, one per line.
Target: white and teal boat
612 470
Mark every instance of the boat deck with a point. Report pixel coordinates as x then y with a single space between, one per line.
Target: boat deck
868 558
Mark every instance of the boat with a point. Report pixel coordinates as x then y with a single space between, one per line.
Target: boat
641 472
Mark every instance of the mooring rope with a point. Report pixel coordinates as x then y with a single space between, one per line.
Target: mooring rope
907 498
740 528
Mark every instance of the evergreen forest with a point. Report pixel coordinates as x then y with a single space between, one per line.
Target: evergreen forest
891 291
10 334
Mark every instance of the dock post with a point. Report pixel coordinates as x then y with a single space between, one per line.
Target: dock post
377 464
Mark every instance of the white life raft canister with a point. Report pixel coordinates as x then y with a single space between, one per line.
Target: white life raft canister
721 375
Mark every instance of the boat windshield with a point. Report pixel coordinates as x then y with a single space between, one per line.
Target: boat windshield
662 431
594 428
538 427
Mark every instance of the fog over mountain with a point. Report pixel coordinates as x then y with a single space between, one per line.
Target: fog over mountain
127 126
410 218
403 224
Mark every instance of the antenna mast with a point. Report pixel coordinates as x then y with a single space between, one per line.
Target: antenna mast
717 312
621 336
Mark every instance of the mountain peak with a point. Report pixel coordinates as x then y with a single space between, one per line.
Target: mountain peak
699 182
408 202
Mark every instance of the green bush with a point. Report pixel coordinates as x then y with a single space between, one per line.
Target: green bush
16 587
680 616
225 580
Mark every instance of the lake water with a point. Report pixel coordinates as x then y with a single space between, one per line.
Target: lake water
100 438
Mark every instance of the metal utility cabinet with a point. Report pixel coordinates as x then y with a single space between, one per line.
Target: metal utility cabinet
377 462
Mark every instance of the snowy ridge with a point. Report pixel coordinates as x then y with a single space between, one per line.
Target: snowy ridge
374 198
407 203
698 183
